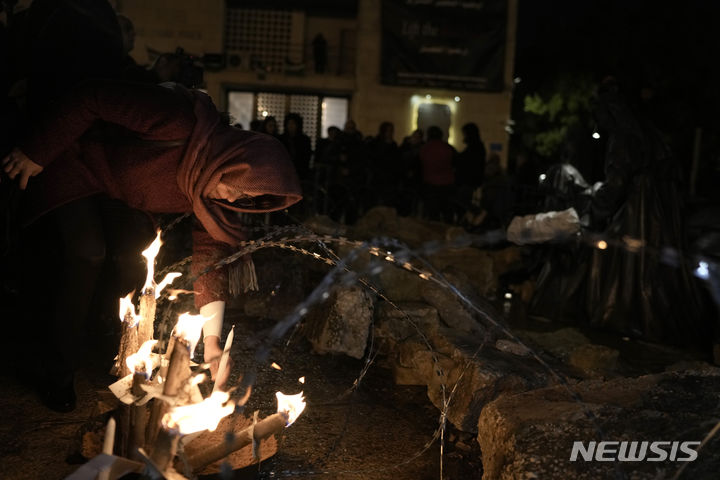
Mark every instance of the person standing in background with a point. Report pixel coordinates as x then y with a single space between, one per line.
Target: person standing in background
438 177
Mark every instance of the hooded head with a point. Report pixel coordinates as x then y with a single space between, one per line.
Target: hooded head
254 166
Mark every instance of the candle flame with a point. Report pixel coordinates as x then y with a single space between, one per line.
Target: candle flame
141 361
174 292
169 278
301 379
292 405
602 245
127 311
199 416
189 327
275 366
150 253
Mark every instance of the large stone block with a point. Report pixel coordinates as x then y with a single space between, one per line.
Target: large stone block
466 370
531 434
455 312
404 321
342 323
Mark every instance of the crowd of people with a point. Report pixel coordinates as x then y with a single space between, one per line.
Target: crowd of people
423 175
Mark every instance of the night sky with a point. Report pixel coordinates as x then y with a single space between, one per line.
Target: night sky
672 48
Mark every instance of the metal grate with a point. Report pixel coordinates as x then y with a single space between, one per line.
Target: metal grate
272 104
262 36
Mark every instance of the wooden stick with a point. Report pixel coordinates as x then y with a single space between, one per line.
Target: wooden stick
146 328
177 374
138 417
260 431
128 346
165 448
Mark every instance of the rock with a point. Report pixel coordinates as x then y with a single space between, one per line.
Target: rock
415 364
592 358
324 225
384 221
481 373
476 265
532 433
455 233
512 347
409 321
504 259
559 343
575 349
695 366
342 323
456 313
400 285
282 280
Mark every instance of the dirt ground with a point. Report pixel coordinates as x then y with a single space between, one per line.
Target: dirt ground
379 432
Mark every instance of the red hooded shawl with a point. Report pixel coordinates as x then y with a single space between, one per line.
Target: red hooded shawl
256 164
172 150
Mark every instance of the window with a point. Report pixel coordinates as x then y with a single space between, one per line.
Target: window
334 114
318 112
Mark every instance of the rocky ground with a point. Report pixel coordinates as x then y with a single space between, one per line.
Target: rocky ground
516 392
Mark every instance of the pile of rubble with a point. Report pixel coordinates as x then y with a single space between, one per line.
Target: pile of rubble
492 385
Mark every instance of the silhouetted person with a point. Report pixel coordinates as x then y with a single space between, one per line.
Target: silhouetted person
411 172
385 165
497 195
350 130
131 70
438 177
297 144
319 45
470 165
269 126
70 41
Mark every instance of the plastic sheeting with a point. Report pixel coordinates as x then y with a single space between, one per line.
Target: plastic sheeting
543 227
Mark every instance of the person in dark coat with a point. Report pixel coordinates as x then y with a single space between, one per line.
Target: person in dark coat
438 177
385 164
297 144
470 165
110 151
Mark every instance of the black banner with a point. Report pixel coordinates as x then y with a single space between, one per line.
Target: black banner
451 44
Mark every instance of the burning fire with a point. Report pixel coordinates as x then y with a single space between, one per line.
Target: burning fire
200 416
169 278
142 361
292 405
127 311
150 253
174 292
189 327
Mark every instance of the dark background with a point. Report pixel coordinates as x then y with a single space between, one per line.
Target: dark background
663 54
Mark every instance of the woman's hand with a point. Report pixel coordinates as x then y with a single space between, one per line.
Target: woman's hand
213 354
17 163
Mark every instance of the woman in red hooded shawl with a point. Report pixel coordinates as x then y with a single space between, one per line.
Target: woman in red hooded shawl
147 148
